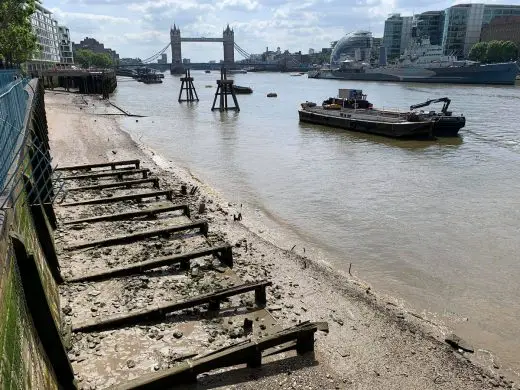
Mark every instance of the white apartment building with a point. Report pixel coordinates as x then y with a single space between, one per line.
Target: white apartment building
47 52
66 56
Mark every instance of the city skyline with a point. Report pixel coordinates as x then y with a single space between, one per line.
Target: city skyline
141 29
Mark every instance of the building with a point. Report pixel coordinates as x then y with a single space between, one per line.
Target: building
502 28
66 56
463 24
397 34
163 59
430 25
97 47
45 27
357 45
375 49
311 51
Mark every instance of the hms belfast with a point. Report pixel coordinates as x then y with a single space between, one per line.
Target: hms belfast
422 62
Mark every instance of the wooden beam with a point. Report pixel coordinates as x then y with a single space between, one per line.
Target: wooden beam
117 172
248 352
121 198
127 183
140 267
138 236
132 214
160 311
112 165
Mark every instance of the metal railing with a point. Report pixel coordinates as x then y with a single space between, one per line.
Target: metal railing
13 105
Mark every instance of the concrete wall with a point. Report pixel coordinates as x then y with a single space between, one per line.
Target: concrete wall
23 361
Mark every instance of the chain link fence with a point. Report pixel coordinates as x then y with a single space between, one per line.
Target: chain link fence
23 150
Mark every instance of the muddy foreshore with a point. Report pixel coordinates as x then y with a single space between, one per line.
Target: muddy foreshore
374 343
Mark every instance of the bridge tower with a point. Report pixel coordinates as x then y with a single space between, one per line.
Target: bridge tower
228 37
175 40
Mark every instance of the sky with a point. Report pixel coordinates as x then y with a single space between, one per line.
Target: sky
142 28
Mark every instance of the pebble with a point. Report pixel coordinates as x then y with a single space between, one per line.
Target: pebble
177 334
130 363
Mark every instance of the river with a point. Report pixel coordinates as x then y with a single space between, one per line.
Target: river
433 223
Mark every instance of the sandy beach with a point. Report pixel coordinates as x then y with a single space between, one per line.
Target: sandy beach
373 342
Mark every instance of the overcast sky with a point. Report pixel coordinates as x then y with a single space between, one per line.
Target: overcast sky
141 28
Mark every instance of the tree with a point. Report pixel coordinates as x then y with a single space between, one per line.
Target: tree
494 51
17 40
478 52
87 58
510 51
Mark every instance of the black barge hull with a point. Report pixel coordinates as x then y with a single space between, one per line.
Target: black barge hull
418 130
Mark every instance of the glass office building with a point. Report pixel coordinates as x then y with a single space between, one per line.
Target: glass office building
354 46
463 24
397 34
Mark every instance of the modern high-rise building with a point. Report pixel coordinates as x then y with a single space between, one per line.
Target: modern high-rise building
66 56
397 34
430 25
47 53
463 24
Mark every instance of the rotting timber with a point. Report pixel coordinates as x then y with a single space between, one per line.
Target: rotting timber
131 264
100 82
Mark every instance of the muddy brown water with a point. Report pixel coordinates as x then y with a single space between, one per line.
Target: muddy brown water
434 223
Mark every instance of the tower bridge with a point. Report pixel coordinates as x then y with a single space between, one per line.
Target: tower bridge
228 41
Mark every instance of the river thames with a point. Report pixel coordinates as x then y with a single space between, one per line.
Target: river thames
435 224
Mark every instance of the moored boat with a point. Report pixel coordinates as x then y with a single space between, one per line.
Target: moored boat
242 90
352 111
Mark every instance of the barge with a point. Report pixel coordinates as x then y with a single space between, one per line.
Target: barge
352 111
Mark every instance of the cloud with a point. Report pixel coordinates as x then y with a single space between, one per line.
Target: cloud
141 28
82 16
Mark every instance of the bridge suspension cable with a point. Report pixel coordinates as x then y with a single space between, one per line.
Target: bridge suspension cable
156 55
242 52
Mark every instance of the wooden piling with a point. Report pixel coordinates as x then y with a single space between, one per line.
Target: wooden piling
224 89
188 86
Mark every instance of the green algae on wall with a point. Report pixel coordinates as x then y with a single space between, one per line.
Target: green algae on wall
23 361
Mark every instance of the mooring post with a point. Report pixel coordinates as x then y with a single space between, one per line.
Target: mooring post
188 86
224 88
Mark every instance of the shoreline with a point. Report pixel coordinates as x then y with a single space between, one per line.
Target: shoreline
358 317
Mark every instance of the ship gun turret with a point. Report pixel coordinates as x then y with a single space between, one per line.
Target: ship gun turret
445 106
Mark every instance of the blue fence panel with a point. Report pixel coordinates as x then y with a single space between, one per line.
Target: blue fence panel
13 103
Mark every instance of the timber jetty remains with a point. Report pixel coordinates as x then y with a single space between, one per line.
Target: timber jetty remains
140 273
91 81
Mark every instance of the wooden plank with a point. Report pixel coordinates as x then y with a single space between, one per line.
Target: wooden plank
40 311
117 172
131 214
249 352
140 267
160 311
129 238
127 183
111 164
121 198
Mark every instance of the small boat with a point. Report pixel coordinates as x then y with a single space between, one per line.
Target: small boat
160 75
207 71
237 71
272 94
242 90
295 74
